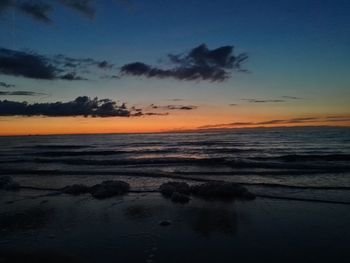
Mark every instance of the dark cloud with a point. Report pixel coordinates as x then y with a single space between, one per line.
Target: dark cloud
233 104
104 65
173 107
30 65
35 66
82 6
181 107
263 101
200 63
36 9
20 93
81 106
304 120
138 114
5 4
41 9
6 85
72 76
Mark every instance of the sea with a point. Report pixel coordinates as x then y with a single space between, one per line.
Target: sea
302 163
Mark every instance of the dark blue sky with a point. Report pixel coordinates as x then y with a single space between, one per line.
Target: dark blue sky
295 48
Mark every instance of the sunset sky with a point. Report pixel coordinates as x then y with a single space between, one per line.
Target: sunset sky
172 65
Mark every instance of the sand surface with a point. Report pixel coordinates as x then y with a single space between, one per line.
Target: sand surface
63 228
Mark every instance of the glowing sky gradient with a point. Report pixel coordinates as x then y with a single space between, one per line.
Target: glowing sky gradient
298 62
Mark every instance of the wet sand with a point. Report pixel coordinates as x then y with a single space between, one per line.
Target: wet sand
63 228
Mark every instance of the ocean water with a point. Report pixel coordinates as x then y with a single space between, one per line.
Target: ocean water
291 162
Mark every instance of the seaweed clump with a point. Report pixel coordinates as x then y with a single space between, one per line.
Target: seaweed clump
109 188
178 192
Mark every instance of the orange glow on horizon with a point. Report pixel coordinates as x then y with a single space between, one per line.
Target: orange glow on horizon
12 126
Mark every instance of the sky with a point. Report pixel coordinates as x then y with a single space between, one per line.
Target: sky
120 66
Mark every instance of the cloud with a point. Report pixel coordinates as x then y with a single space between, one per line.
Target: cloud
41 9
72 76
233 104
5 4
35 66
82 6
36 9
6 85
20 93
263 101
304 120
173 107
292 98
81 106
177 99
80 63
181 107
104 65
30 65
200 63
138 114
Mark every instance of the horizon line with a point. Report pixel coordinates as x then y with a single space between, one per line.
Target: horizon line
216 130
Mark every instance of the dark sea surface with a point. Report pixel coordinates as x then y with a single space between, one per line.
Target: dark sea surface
311 163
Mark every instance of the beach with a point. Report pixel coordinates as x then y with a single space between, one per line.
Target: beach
299 177
36 227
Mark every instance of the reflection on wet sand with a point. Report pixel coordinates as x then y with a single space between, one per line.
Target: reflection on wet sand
32 218
210 220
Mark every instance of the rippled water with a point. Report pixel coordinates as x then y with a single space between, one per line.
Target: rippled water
304 157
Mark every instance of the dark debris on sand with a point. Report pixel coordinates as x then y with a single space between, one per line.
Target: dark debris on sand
103 190
179 192
109 188
167 189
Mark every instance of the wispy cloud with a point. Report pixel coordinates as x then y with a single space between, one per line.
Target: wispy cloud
200 63
82 6
36 9
278 100
173 107
303 120
263 101
41 10
292 98
20 93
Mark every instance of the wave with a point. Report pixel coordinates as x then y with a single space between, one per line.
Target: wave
305 158
234 164
54 146
77 153
99 153
140 161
